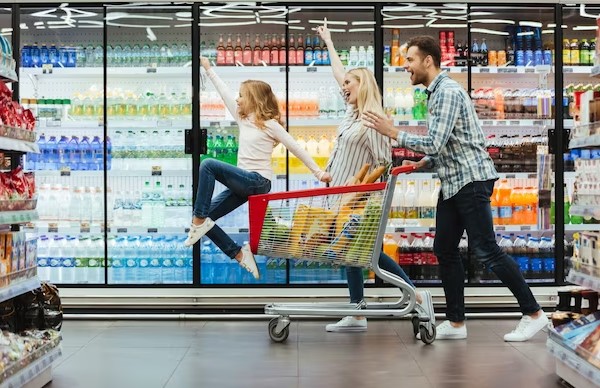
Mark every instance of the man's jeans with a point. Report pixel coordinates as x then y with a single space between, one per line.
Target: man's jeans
240 185
470 209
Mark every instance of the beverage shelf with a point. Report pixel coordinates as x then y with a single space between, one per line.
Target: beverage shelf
583 227
585 210
34 371
8 76
118 124
18 217
395 227
485 123
16 288
71 229
587 141
595 72
292 122
573 361
492 69
98 72
9 144
114 173
578 69
584 279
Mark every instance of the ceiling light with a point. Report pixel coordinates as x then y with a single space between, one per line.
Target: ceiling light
490 32
274 22
63 5
6 30
227 24
363 23
493 21
150 34
23 26
547 31
447 25
182 25
454 11
296 28
361 30
585 28
337 29
295 21
531 24
329 22
551 25
403 26
38 23
481 13
526 33
183 14
583 13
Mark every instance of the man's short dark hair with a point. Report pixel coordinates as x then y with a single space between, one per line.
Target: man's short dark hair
427 46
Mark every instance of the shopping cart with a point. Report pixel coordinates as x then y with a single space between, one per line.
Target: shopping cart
341 225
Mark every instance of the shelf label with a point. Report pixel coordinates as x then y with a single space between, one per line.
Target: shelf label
501 122
464 70
421 123
214 124
152 68
282 69
121 230
446 68
487 122
507 70
243 230
529 70
65 171
525 227
399 230
156 170
514 122
400 70
432 229
47 68
311 69
511 176
484 70
404 123
538 122
500 228
278 177
386 69
84 227
531 176
52 227
568 69
152 230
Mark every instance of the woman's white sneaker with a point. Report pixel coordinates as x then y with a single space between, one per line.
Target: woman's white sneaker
445 331
197 231
348 323
248 262
527 328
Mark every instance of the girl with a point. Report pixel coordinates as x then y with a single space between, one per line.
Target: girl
256 112
356 145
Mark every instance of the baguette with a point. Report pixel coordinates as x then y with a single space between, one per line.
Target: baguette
360 175
374 175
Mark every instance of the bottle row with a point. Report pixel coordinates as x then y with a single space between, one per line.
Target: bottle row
34 55
509 104
84 155
516 153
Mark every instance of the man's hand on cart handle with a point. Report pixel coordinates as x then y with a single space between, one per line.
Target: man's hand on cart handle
205 62
381 124
415 165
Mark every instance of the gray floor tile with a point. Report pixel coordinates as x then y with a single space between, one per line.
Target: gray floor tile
364 379
144 336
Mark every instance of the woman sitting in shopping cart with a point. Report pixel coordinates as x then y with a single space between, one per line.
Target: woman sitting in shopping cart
355 146
257 114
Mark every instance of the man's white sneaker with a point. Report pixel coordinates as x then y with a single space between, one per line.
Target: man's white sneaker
445 331
348 324
527 328
248 262
197 231
427 305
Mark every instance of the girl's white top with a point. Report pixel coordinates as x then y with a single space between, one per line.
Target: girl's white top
255 145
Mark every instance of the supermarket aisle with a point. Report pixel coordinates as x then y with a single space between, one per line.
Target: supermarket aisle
238 354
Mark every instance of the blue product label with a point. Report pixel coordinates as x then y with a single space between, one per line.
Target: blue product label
523 264
495 212
549 265
595 153
505 211
318 56
538 57
520 58
325 56
42 262
308 57
586 154
55 262
547 57
536 265
575 154
529 61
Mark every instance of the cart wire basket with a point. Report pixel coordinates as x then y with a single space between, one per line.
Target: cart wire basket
341 225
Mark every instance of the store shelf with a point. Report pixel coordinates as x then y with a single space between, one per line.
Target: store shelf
18 217
71 229
577 69
8 144
587 141
583 227
113 173
583 279
482 70
484 123
98 72
394 227
8 76
17 288
117 124
572 360
32 371
585 210
292 122
595 72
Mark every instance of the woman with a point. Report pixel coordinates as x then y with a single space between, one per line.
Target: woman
256 112
356 145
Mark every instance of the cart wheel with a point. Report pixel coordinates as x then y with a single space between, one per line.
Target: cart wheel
415 324
278 337
427 337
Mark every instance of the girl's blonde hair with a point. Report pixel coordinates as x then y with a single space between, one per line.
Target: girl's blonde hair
369 97
260 100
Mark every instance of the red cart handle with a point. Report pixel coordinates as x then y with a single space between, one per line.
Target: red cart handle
403 169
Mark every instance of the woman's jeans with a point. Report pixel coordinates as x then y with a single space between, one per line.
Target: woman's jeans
470 209
356 282
240 185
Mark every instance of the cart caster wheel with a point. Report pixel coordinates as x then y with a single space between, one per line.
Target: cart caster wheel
427 337
278 337
415 324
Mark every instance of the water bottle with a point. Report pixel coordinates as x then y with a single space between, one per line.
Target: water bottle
136 260
82 259
43 264
71 57
55 258
127 56
207 265
145 56
117 56
189 263
98 56
155 247
136 55
370 56
110 56
85 153
108 146
53 56
168 258
180 257
63 57
44 56
74 153
547 257
97 154
116 274
26 56
35 56
154 55
67 268
362 56
80 60
353 57
533 248
63 155
51 154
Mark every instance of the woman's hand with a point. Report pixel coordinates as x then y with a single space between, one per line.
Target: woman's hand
205 62
380 123
326 177
420 164
323 32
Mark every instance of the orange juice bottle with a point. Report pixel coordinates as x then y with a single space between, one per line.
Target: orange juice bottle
530 212
390 246
517 199
495 207
504 204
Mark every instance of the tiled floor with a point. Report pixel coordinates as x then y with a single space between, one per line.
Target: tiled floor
239 354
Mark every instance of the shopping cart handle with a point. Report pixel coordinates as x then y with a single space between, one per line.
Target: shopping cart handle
403 169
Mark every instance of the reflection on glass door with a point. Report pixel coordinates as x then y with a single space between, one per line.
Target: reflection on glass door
148 109
61 83
242 42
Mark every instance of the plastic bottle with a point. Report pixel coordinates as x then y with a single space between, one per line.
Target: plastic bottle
55 246
404 255
504 204
167 260
43 269
546 255
390 246
410 201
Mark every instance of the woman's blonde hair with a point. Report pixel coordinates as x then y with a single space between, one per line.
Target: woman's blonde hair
260 100
369 97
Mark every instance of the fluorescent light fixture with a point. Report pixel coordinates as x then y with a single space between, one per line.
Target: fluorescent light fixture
295 21
403 26
361 30
47 13
337 29
182 25
227 24
526 33
481 13
493 21
490 32
547 31
329 22
54 27
447 25
454 11
38 23
281 22
23 26
583 13
585 28
551 25
40 27
6 30
184 14
531 24
363 23
150 34
63 5
297 28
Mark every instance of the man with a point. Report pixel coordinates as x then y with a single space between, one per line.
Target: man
455 145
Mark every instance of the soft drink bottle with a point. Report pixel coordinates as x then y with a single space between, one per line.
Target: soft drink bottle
505 208
404 255
390 246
